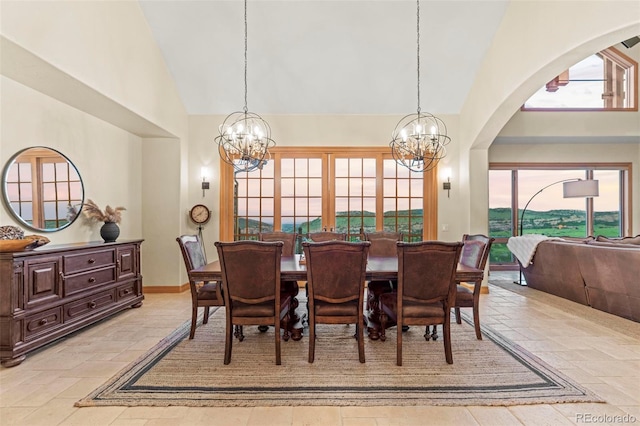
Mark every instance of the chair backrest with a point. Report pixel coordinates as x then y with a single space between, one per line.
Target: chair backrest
250 271
476 250
326 236
192 251
383 243
336 270
288 238
426 270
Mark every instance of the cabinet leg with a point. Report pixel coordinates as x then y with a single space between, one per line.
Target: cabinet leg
12 362
137 305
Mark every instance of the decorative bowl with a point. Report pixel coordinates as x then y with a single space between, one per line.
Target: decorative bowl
14 245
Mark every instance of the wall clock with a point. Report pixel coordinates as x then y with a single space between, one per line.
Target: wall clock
200 214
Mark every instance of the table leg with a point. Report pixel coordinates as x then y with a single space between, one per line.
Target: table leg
372 316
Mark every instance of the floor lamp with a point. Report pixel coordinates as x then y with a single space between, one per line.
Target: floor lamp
571 188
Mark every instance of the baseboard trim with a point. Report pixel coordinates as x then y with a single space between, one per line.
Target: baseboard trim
166 288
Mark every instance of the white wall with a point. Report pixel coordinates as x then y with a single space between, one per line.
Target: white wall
106 45
106 157
535 42
101 63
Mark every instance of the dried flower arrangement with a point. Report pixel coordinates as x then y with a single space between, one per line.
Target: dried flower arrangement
110 214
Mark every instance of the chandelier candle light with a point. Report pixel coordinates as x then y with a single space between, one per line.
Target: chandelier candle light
419 139
245 137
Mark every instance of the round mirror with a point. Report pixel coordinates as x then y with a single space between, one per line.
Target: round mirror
42 189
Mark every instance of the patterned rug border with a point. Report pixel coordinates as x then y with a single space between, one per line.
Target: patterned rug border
115 392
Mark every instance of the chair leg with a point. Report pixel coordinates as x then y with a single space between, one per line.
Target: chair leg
276 328
458 319
476 321
194 318
238 332
205 319
446 330
383 327
360 333
285 326
399 343
312 337
228 341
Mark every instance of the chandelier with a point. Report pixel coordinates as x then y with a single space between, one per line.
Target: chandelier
245 137
419 139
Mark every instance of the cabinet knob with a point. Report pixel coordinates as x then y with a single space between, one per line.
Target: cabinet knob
43 321
127 291
92 260
92 280
92 305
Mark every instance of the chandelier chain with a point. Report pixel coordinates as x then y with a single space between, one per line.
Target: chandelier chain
244 137
245 57
418 50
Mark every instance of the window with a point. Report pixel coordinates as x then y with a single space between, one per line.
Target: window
511 187
604 81
350 190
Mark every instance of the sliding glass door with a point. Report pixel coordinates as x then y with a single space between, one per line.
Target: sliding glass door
538 187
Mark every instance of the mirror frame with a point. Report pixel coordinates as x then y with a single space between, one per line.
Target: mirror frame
5 195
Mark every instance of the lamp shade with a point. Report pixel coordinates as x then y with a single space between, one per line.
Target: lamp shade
580 188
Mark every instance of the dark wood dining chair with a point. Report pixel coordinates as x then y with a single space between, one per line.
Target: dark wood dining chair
336 276
326 236
320 237
251 289
383 244
203 294
475 254
291 288
426 290
287 238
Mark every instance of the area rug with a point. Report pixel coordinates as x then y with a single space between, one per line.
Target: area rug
179 371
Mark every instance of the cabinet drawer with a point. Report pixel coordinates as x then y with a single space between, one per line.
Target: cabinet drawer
82 282
87 306
74 263
127 291
40 323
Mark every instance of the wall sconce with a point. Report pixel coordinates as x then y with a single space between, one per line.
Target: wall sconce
205 183
447 185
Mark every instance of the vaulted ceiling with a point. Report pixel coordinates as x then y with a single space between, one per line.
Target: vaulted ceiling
323 56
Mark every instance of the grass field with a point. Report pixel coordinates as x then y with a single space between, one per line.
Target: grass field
553 223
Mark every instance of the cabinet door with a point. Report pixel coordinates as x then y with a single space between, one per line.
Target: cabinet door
127 262
42 280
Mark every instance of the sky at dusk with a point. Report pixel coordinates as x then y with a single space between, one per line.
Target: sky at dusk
531 181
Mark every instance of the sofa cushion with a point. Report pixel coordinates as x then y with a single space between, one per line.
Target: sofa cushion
578 239
625 240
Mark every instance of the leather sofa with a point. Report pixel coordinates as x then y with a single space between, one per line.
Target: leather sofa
598 272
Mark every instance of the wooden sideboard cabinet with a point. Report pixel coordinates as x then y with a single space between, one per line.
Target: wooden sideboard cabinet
55 290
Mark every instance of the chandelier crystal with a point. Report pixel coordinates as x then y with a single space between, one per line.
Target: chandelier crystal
419 140
244 137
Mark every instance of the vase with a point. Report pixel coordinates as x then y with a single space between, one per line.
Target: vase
109 232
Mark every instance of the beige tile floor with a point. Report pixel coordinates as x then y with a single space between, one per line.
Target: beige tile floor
599 351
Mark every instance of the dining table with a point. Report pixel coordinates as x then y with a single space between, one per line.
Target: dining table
294 268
